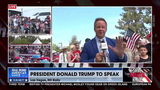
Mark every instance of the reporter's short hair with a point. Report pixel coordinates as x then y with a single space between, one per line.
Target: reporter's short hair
99 19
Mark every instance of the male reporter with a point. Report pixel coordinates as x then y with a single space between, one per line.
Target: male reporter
92 51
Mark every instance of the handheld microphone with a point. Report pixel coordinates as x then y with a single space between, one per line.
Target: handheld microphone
103 47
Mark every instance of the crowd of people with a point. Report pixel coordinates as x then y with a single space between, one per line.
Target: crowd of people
30 54
142 50
67 56
24 25
91 52
115 50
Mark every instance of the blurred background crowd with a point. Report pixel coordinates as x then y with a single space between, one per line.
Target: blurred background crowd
25 25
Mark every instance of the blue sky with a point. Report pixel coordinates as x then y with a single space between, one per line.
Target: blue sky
79 21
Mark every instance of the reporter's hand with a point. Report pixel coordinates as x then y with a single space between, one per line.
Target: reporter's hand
119 48
99 56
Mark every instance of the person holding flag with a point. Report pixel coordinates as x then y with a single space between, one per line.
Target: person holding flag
144 51
131 40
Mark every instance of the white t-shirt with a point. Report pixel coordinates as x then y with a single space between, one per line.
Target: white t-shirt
37 51
37 25
15 21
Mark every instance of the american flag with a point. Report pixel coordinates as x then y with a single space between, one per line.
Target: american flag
131 38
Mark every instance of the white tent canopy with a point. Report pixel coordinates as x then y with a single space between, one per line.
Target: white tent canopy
37 41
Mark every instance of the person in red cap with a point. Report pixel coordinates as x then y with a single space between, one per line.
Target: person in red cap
148 46
26 29
56 57
53 56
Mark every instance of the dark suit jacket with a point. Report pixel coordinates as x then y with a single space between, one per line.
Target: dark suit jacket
90 50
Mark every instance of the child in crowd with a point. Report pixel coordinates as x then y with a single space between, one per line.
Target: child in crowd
143 54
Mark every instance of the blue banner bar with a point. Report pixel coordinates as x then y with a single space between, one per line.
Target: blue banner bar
16 74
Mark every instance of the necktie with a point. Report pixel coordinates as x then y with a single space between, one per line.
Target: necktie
63 58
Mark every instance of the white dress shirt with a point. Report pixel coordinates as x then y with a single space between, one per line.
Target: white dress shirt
61 58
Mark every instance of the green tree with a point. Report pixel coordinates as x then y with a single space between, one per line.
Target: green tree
56 48
11 38
20 41
135 18
74 40
27 40
45 41
68 48
31 39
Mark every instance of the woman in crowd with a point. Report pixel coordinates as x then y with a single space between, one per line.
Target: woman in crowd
42 27
71 57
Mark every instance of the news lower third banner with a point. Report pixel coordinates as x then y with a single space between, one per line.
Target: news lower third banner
65 74
17 74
